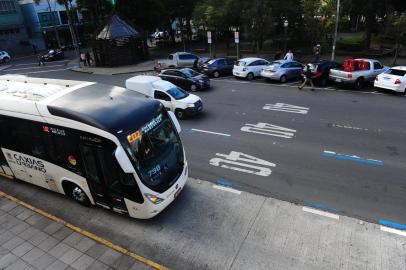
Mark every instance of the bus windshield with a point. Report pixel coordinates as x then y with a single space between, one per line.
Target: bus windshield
156 152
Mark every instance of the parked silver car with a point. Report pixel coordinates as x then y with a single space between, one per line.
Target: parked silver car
282 70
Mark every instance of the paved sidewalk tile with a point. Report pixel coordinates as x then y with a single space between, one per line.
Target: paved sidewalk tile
31 241
83 262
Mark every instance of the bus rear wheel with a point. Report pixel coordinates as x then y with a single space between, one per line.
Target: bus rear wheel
77 194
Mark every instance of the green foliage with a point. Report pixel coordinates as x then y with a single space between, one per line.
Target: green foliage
350 44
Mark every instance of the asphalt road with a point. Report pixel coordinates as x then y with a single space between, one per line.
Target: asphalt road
340 148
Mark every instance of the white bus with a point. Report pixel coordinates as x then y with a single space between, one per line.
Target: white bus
99 144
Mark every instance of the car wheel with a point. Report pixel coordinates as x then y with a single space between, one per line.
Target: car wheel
180 114
359 83
6 60
216 74
283 79
193 87
404 92
79 195
250 76
323 82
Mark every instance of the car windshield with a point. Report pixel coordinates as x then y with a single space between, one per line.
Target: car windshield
241 63
156 152
189 72
396 72
276 64
177 93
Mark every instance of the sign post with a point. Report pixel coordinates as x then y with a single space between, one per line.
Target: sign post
237 41
209 41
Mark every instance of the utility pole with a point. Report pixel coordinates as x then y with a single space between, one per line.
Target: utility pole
335 32
58 41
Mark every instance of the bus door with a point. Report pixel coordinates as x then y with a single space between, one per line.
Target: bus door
102 179
4 167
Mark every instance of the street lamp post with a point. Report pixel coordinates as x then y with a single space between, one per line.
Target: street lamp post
285 31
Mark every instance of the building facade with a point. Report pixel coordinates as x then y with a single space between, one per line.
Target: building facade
13 35
47 22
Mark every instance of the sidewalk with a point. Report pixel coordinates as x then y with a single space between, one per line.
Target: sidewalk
146 66
31 241
208 227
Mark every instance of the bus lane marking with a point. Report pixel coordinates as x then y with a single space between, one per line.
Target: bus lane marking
282 107
320 213
352 158
269 129
228 189
209 132
238 161
86 233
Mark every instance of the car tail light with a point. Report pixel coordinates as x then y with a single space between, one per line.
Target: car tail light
398 81
318 74
349 76
376 78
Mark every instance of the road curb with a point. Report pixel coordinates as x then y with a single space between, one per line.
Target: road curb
88 234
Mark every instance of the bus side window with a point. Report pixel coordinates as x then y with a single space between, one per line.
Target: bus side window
6 140
67 152
21 137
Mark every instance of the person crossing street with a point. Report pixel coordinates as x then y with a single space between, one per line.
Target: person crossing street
308 78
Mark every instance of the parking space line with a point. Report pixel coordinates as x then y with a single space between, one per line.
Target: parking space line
321 213
210 132
86 233
392 230
352 158
235 191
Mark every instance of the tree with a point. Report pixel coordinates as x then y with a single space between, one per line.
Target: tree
98 9
397 29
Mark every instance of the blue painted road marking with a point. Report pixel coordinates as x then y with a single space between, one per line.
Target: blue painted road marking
225 183
352 158
392 224
322 207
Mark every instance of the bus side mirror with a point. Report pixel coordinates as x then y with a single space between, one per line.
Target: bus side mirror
123 160
175 121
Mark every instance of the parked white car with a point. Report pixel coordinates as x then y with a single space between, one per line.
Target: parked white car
172 97
4 57
249 68
393 79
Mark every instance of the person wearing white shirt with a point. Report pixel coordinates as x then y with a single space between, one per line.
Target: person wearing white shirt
289 56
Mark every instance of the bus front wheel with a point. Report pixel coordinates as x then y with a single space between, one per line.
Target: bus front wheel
77 194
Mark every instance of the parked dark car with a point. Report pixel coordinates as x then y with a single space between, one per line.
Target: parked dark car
53 55
186 78
321 70
217 67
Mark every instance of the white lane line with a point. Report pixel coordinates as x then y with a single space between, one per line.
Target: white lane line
210 132
16 69
227 189
349 127
320 212
295 86
52 70
392 230
36 63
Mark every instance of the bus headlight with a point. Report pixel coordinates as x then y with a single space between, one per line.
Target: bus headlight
154 199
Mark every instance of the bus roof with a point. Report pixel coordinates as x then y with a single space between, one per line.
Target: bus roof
110 108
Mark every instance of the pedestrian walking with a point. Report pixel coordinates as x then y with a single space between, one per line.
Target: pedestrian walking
88 58
196 64
317 51
289 56
308 78
40 61
83 58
